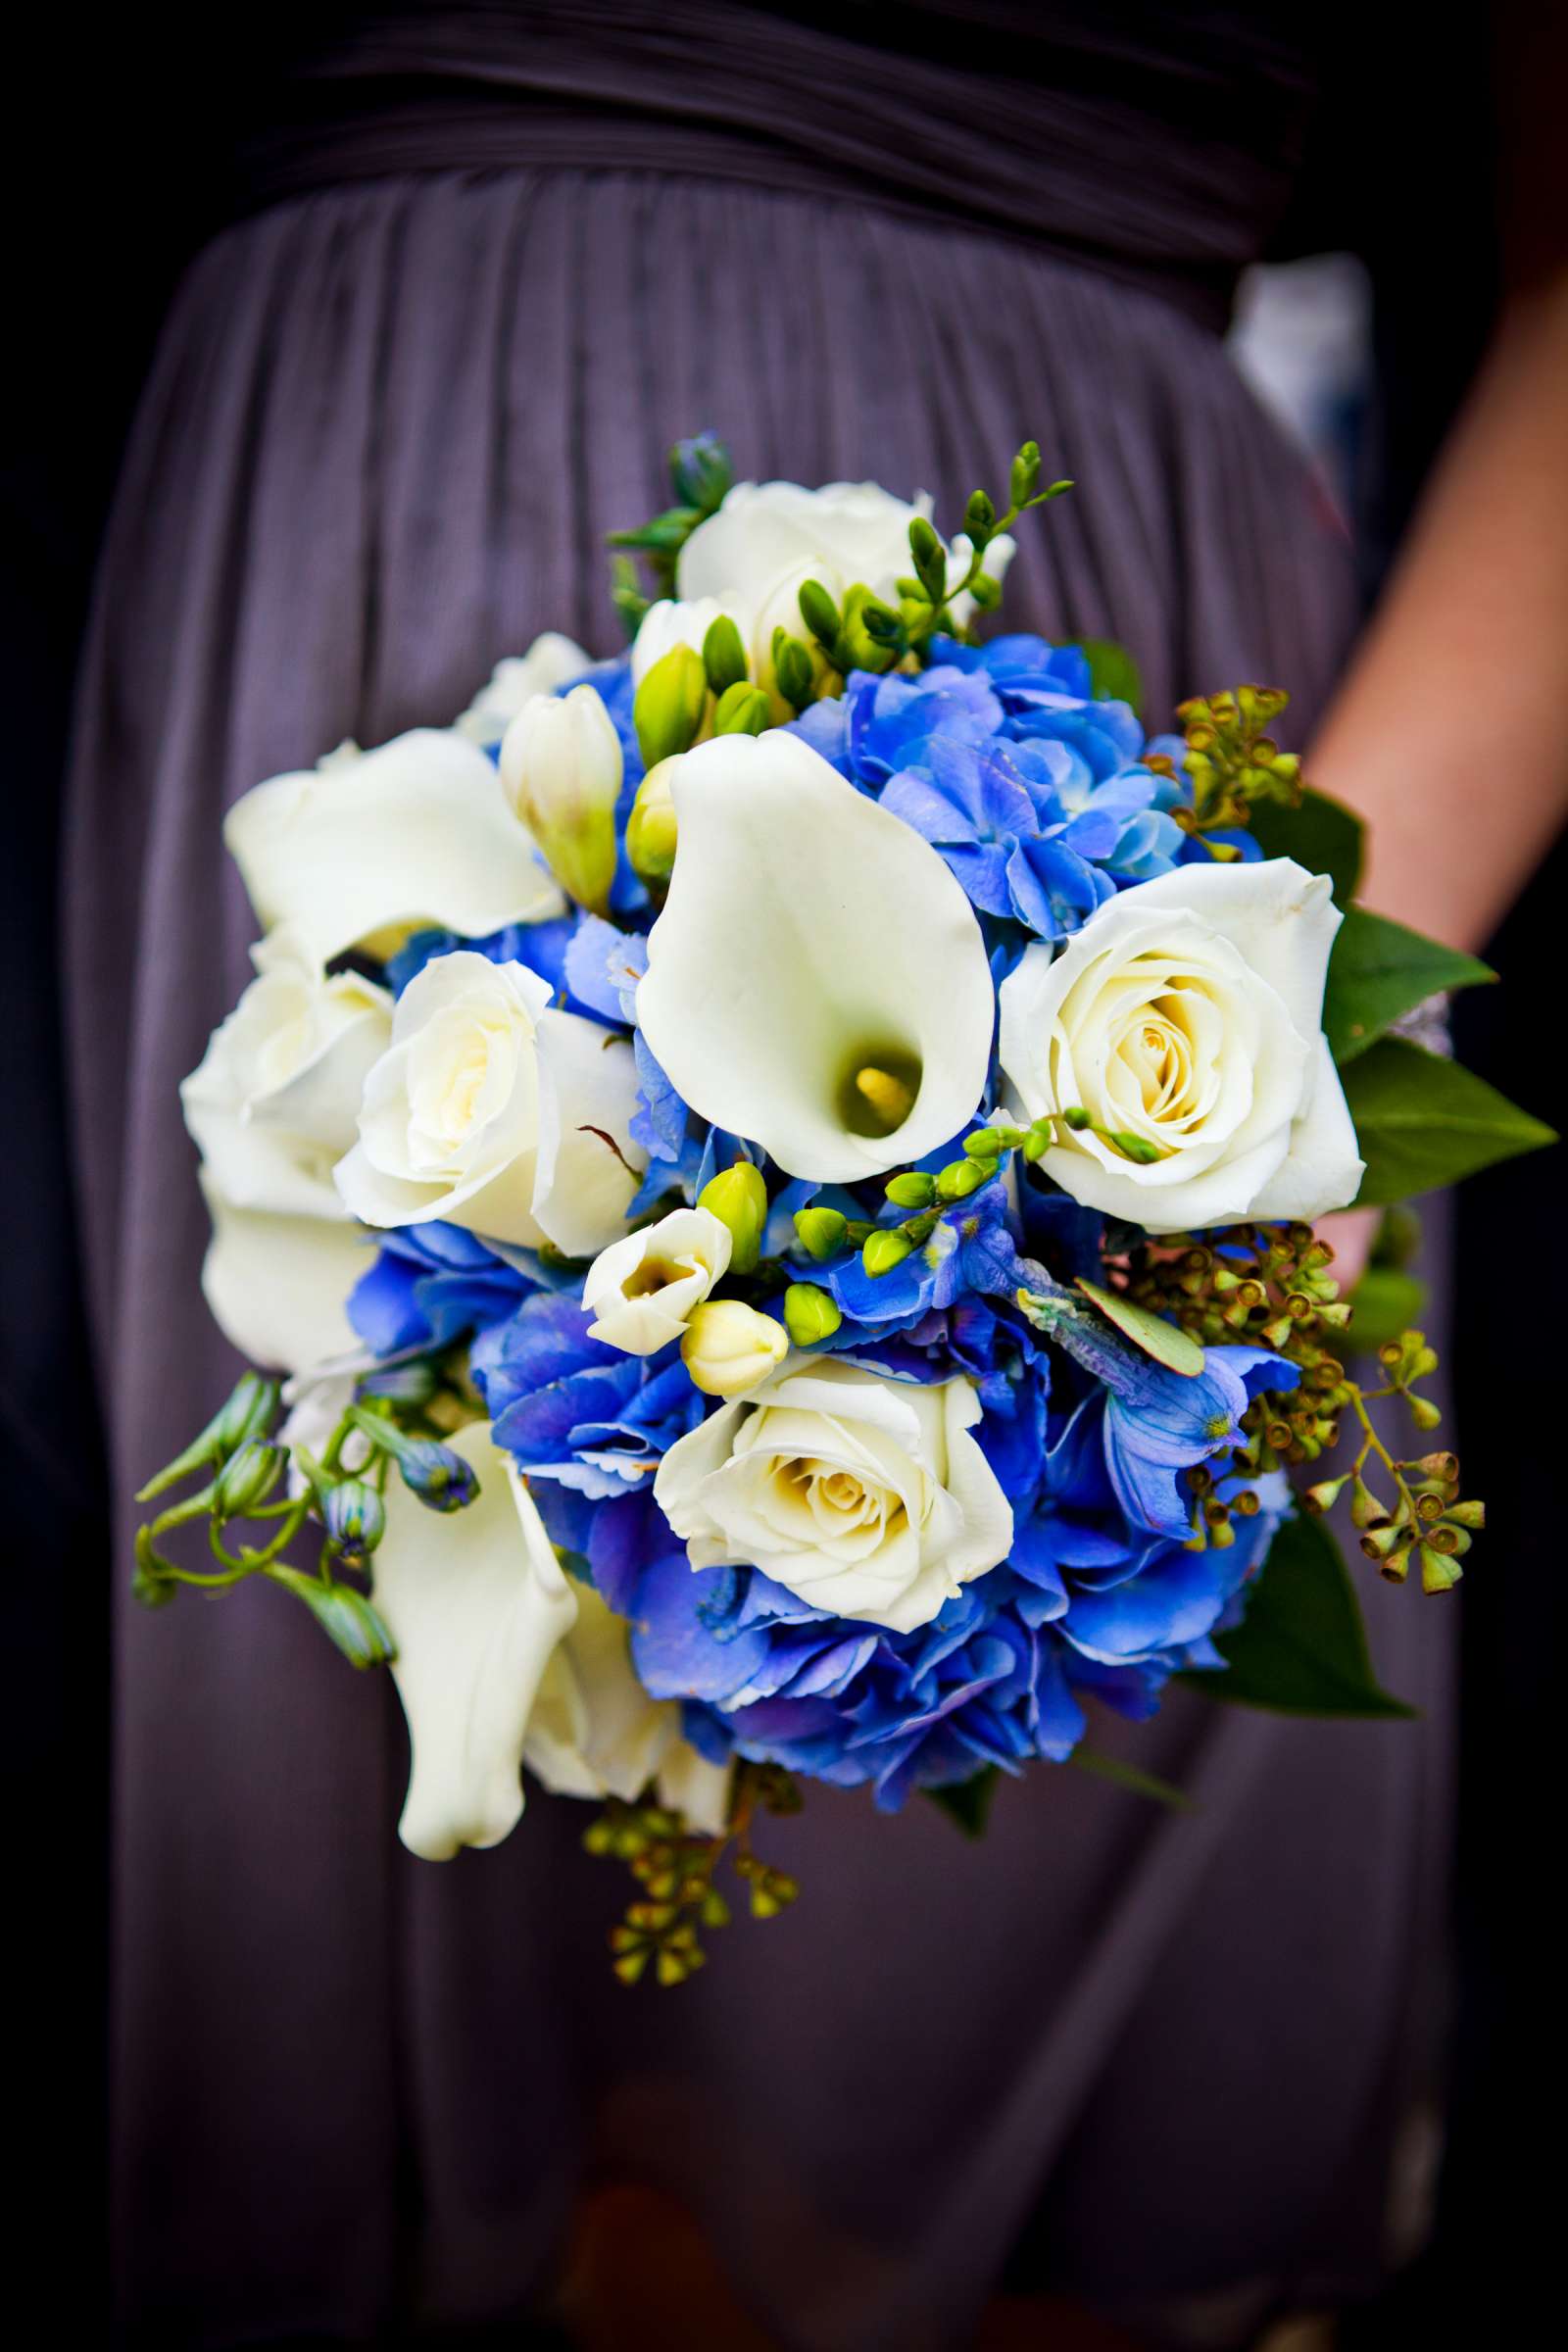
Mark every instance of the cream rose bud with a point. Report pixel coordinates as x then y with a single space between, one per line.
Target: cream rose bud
561 771
642 1291
1188 1013
493 1111
272 1107
868 1497
729 1347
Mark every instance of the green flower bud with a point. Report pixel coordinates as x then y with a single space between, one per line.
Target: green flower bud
930 559
884 1249
989 1143
820 1231
739 1200
792 670
742 709
724 656
960 1178
1025 475
355 1518
247 1478
669 709
820 613
810 1314
985 591
914 1189
651 826
979 519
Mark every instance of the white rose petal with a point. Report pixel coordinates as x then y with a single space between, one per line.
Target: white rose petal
1188 1013
868 1497
551 661
272 1108
493 1111
642 1290
415 835
809 937
593 1732
476 1602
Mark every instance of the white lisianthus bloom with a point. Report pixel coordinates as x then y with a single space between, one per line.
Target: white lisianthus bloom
1188 1013
593 1732
272 1107
374 846
868 1497
641 1290
493 1111
476 1601
768 537
551 661
669 623
818 981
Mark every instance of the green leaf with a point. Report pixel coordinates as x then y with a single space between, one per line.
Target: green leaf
968 1802
1385 1301
1321 834
343 1613
1379 970
1422 1121
1129 1777
1301 1649
1176 1350
1112 673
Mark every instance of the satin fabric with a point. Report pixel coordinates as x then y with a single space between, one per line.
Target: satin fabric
387 429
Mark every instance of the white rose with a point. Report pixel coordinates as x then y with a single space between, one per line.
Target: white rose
593 1732
1188 1013
866 1496
551 661
642 1290
272 1107
492 1111
768 537
375 845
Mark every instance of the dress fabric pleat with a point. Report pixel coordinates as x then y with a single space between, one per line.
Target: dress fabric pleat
387 429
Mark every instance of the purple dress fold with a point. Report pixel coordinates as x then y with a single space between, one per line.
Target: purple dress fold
390 423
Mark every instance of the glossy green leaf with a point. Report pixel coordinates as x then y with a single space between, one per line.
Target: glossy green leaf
1422 1121
1379 970
1321 834
968 1802
1301 1649
1176 1350
1112 673
1131 1777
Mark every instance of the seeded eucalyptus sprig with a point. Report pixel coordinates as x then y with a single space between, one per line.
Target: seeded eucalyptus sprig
1232 762
674 1869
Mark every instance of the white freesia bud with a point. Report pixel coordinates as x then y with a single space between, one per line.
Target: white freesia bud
561 771
272 1107
494 1111
729 1347
642 1291
381 844
551 661
868 1497
651 830
593 1732
1188 1014
818 980
670 623
475 1602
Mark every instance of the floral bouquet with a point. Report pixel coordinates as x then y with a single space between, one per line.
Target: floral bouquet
779 1170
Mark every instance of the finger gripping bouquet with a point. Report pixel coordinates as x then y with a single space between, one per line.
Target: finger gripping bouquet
772 1181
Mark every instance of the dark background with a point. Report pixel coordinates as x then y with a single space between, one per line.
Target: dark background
119 139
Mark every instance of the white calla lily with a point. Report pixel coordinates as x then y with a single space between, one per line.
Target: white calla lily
818 981
476 1602
593 1732
375 847
272 1107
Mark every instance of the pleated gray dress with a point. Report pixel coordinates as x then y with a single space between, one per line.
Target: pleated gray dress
496 261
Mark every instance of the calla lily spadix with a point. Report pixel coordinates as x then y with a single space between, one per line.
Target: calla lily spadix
476 1601
375 845
818 981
